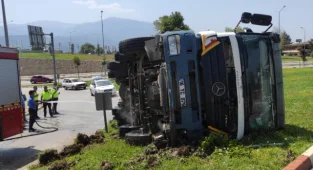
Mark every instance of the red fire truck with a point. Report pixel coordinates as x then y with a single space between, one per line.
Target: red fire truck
11 114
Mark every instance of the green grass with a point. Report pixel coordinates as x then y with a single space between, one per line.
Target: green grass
297 136
66 56
294 58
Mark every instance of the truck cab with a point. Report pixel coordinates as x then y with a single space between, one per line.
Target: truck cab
227 81
188 83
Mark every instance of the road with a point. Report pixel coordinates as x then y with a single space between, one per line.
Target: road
27 82
77 115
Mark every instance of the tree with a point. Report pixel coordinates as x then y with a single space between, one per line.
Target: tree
174 22
103 63
87 48
302 53
99 50
228 29
284 39
77 63
72 48
311 46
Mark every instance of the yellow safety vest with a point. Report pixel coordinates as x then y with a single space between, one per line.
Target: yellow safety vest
56 95
46 95
35 96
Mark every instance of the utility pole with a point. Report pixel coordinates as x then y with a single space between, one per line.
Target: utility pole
5 25
279 18
102 34
303 34
53 58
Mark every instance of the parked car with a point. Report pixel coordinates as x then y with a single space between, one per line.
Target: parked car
40 79
73 83
102 86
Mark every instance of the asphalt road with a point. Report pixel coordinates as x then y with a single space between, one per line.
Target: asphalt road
77 115
27 82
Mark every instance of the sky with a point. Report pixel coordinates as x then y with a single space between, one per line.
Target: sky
200 15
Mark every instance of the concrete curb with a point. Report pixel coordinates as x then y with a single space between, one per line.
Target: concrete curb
304 161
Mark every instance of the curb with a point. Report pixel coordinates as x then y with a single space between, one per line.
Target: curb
304 161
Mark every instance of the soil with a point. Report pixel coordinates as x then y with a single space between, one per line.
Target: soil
153 161
48 156
62 165
184 151
82 139
71 150
106 166
98 137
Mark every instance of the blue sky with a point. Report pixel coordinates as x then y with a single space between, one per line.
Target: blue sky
199 14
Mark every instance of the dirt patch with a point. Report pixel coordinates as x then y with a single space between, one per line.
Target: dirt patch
184 151
290 156
62 165
48 156
71 150
98 137
106 166
153 161
151 149
82 139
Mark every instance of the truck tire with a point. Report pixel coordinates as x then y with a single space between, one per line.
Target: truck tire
122 91
122 130
113 66
133 46
112 74
137 138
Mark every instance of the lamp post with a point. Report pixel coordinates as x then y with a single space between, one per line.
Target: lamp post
71 40
303 38
5 25
102 33
279 18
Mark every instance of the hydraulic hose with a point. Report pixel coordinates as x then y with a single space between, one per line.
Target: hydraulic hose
53 129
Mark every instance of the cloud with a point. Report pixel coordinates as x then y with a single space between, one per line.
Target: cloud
92 4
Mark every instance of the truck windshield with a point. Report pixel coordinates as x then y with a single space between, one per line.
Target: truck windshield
259 80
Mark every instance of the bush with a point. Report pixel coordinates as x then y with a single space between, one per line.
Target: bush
311 54
209 143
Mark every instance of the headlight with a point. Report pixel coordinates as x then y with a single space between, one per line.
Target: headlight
174 44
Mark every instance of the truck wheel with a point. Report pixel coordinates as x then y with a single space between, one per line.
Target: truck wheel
137 138
133 46
122 91
112 74
113 66
122 130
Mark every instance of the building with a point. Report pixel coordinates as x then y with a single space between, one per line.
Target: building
291 49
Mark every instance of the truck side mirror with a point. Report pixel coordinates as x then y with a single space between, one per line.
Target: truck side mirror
246 17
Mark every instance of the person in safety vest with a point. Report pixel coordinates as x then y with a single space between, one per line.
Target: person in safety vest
36 98
45 100
55 98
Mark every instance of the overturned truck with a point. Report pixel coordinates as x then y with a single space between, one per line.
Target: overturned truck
178 86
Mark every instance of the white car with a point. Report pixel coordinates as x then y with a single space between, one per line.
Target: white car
73 83
102 86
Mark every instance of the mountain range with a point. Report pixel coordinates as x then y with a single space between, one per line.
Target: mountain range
114 30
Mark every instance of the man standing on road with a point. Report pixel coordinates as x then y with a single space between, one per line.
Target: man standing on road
45 99
55 98
36 98
32 109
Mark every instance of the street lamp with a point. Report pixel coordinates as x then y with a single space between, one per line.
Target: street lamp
102 33
303 38
279 18
70 40
5 25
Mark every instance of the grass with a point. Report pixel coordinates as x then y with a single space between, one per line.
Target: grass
66 56
295 58
297 136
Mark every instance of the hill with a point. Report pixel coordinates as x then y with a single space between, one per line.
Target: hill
115 30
